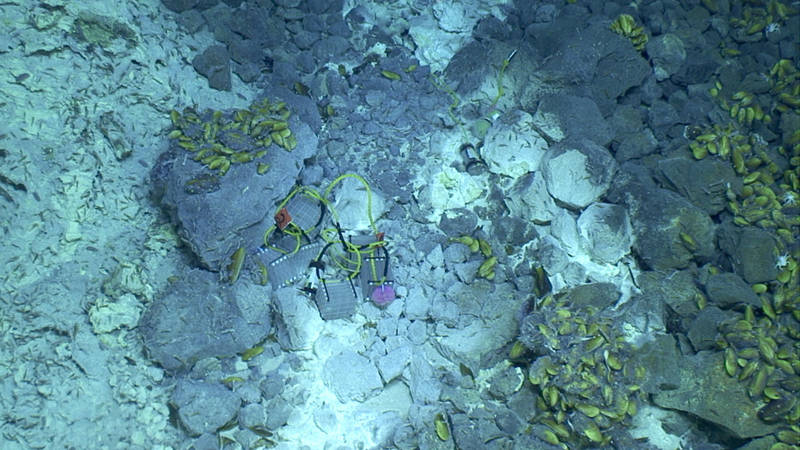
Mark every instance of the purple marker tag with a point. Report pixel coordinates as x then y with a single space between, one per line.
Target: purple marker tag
383 295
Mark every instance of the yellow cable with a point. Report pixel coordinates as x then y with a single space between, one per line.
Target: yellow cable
369 197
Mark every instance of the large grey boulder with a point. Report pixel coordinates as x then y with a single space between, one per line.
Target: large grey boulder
529 199
512 146
578 173
607 231
199 318
704 390
204 407
219 212
562 117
